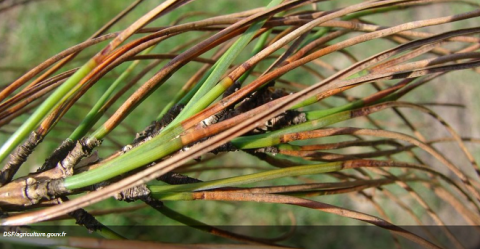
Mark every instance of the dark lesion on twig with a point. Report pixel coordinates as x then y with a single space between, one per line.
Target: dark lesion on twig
272 150
255 99
139 192
258 98
225 113
177 179
154 203
233 88
83 218
288 118
224 148
261 97
3 214
155 127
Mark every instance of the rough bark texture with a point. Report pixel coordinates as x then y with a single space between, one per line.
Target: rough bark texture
83 218
35 191
59 154
143 193
177 179
19 157
157 126
82 149
132 194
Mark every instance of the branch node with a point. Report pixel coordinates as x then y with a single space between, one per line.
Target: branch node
35 191
82 148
